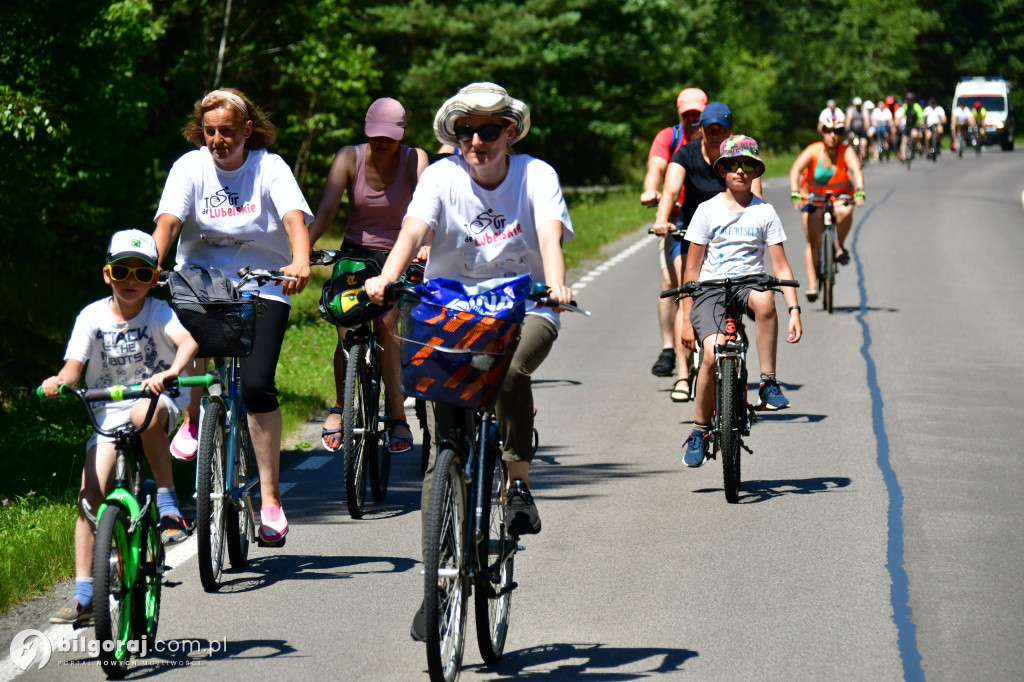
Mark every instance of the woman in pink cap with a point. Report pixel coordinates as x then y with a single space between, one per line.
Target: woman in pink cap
380 176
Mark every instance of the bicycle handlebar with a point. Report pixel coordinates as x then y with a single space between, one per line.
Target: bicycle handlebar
762 282
539 295
110 394
263 276
846 199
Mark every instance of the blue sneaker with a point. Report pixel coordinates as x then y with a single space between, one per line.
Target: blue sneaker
696 448
770 395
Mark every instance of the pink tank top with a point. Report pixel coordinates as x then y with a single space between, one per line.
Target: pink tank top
375 217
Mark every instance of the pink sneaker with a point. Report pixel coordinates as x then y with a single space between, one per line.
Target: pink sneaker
185 442
273 524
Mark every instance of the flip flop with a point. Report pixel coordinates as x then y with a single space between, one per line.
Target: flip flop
332 432
843 258
680 395
399 444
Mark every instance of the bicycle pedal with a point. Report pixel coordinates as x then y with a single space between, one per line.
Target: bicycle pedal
274 545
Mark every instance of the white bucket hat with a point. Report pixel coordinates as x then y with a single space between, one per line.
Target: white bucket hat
480 99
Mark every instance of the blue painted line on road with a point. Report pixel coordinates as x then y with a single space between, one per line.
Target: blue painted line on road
906 631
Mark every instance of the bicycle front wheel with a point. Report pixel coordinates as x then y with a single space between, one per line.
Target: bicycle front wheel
731 399
238 525
356 424
828 269
146 600
211 509
445 585
112 590
497 552
380 461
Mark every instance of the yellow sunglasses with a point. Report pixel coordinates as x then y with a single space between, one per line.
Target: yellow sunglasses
142 274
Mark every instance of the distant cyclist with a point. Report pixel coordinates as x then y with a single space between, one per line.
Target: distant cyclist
979 113
856 126
962 121
881 128
934 119
826 166
690 103
909 120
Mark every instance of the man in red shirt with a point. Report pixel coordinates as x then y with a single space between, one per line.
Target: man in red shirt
690 103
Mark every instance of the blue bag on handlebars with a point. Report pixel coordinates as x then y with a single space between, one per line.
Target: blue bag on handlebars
458 341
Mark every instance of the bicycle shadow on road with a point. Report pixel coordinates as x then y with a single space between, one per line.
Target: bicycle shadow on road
583 661
180 653
272 568
569 476
753 492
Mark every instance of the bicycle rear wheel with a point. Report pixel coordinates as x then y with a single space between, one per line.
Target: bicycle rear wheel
211 510
146 600
238 523
445 585
493 592
112 589
356 423
731 397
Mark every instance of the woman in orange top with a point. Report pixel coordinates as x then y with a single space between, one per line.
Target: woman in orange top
826 166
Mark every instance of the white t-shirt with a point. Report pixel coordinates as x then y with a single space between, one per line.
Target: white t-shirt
231 219
482 234
962 115
736 240
880 117
123 352
933 116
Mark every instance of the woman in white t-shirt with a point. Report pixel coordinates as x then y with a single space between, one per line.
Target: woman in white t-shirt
230 204
491 214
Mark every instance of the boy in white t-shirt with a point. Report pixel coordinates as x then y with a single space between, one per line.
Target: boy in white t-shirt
125 339
730 234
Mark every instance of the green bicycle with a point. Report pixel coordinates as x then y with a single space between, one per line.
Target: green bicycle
128 561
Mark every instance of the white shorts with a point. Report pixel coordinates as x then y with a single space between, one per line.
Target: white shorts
112 415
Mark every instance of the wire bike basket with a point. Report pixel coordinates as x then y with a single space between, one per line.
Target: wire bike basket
453 356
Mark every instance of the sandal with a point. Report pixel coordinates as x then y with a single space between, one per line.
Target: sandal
336 433
398 445
842 257
680 395
812 295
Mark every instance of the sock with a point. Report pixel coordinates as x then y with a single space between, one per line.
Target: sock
167 502
83 591
701 427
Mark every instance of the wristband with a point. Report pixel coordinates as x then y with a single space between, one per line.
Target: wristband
794 307
859 194
796 196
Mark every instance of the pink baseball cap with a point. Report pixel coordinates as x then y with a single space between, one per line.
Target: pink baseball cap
691 99
385 118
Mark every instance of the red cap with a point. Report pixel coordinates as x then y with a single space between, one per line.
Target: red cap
691 99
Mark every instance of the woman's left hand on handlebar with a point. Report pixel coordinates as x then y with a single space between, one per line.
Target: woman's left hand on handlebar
560 294
374 288
300 271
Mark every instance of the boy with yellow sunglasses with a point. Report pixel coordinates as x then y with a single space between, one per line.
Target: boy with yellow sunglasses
126 338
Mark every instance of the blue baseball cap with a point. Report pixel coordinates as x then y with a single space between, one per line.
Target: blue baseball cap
716 112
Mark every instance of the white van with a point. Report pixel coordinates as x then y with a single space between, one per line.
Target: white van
994 95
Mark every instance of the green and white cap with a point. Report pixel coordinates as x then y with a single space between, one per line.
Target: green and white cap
132 244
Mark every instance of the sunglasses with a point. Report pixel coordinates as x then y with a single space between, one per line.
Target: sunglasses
489 132
745 166
837 131
142 274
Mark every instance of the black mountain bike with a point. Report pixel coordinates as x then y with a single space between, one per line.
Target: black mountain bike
827 264
733 415
467 547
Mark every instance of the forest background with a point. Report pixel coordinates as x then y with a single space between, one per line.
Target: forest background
93 95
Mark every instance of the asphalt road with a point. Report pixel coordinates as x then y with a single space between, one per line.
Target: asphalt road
893 474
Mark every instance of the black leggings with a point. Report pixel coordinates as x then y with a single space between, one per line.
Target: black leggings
258 390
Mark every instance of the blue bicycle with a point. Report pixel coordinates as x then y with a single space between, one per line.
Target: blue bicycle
226 472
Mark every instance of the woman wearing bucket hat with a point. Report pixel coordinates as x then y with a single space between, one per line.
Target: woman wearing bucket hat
491 214
691 168
689 103
826 166
730 234
380 176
